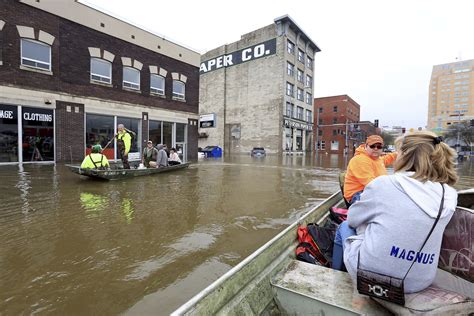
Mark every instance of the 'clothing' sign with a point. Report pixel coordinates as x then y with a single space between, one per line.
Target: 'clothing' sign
238 57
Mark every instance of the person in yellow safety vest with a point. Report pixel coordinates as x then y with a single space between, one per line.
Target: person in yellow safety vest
124 142
95 160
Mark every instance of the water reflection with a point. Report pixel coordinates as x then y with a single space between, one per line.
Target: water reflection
148 243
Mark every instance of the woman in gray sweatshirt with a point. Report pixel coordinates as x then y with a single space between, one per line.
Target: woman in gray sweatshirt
396 212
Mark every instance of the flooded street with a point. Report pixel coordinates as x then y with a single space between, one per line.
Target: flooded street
144 246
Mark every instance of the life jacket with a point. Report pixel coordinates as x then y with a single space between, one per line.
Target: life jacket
316 243
100 167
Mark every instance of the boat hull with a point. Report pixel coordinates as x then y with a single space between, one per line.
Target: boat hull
118 174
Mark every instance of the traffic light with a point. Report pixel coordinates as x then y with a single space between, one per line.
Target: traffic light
376 123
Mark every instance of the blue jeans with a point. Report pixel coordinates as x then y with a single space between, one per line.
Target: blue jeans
342 232
356 197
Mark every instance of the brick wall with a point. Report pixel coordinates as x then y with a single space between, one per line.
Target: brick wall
71 61
192 140
70 127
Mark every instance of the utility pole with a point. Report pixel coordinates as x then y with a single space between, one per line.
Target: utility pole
458 145
346 145
317 132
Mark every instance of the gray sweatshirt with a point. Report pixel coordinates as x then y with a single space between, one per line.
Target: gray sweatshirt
392 219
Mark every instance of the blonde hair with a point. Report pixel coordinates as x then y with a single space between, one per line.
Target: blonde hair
430 159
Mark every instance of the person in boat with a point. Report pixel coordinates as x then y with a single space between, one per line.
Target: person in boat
174 158
124 142
162 159
165 147
386 228
95 160
150 155
366 165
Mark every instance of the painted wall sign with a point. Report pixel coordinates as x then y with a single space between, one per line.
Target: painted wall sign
238 57
207 120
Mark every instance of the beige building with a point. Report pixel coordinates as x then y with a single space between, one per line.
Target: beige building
451 95
258 91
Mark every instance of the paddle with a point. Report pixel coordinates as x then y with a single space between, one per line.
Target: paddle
110 141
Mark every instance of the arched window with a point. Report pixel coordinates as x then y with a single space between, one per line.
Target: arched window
101 70
179 89
157 84
131 78
35 54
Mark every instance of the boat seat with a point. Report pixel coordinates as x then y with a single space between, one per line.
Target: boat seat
307 289
342 178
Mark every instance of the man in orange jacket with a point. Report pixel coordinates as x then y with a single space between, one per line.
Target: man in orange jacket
367 164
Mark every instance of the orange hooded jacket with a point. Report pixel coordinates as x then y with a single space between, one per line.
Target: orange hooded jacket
362 169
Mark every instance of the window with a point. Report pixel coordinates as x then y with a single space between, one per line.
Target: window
289 109
300 76
300 112
131 78
320 110
309 116
309 63
334 132
309 98
309 81
289 89
320 122
157 84
334 109
38 134
300 94
99 130
334 145
101 70
179 90
300 56
35 54
334 120
291 47
290 69
8 133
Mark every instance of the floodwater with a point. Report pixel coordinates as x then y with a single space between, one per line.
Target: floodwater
144 246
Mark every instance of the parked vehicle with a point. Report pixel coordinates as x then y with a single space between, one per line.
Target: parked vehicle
258 152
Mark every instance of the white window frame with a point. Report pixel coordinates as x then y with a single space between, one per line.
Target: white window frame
300 113
129 84
309 116
155 90
309 98
301 55
290 69
290 47
176 95
309 81
309 62
300 75
34 60
108 79
290 89
300 94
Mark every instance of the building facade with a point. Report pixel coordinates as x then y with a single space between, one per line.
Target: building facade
337 126
451 94
70 73
258 91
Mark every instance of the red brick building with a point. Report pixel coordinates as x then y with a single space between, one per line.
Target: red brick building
70 73
336 124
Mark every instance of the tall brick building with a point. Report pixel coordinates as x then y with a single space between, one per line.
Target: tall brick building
69 74
258 91
337 125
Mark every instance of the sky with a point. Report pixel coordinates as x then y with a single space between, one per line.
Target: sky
380 53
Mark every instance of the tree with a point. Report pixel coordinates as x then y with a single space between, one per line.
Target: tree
463 129
388 139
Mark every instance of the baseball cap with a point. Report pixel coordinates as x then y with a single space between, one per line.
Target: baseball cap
374 139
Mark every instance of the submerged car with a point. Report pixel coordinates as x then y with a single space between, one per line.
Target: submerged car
258 152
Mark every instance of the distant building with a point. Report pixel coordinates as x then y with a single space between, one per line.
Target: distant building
70 73
337 127
451 94
258 91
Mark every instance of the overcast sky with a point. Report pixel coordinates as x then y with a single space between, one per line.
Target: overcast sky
380 53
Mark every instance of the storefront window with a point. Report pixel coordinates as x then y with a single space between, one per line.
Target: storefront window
168 134
8 133
155 132
100 130
38 134
180 133
133 125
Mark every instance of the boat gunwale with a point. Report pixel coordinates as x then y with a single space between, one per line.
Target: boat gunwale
190 305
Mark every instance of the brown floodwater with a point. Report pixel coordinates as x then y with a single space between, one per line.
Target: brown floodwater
144 246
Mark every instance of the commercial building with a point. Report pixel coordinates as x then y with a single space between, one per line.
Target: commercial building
451 94
337 127
70 73
258 91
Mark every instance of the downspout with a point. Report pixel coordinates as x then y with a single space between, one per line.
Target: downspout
225 105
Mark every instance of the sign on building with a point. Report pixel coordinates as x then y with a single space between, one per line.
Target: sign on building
207 120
